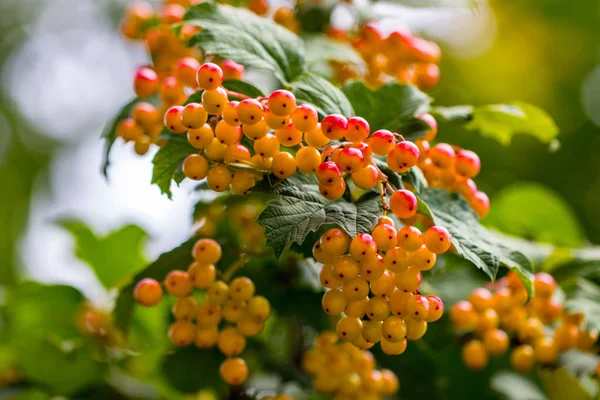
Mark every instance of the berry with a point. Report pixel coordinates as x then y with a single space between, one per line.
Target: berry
129 130
148 292
242 181
209 76
209 315
467 163
358 129
308 159
389 383
406 155
250 111
328 173
327 278
396 260
202 275
415 329
481 299
522 358
384 286
403 203
545 351
259 307
393 329
249 326
350 160
214 101
429 120
377 309
182 333
437 239
305 118
544 285
366 177
185 71
334 302
333 192
178 283
232 70
320 255
422 259
410 238
241 288
184 309
385 237
193 116
356 309
393 348
236 153
234 371
173 120
195 167
172 14
436 308
382 142
226 133
349 329
408 280
207 251
215 150
418 307
145 115
284 165
230 113
334 126
530 330
480 204
463 315
206 337
355 289
231 342
218 292
256 131
289 136
274 121
345 268
218 178
363 246
267 146
335 242
315 137
442 155
171 91
142 145
145 82
496 341
371 331
474 355
398 301
372 268
282 102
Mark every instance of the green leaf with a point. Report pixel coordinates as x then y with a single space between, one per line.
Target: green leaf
300 209
393 106
582 296
560 385
248 39
242 87
319 92
115 257
321 50
535 212
168 160
471 240
191 369
314 16
48 347
178 258
503 121
513 386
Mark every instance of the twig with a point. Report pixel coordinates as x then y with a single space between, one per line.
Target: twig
238 95
235 266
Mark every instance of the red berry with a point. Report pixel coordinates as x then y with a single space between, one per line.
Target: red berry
436 308
403 203
185 71
173 120
437 239
382 142
410 238
350 160
358 129
232 70
442 155
148 292
467 163
407 155
328 173
366 178
145 82
480 204
305 118
428 118
282 102
363 246
209 76
334 126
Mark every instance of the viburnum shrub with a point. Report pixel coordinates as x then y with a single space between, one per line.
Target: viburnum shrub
348 185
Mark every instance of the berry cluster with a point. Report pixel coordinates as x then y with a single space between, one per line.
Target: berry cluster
343 370
502 316
400 55
97 324
387 264
226 316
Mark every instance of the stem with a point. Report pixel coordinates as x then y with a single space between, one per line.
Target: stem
382 194
399 136
235 266
238 95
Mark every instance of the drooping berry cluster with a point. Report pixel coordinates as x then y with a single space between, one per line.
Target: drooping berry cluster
388 265
228 314
502 316
345 371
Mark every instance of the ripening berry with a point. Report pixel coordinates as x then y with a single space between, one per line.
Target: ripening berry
466 187
230 113
389 385
415 329
274 121
249 326
328 279
403 203
145 115
544 285
256 131
185 71
422 259
250 111
178 283
398 301
218 292
145 82
406 155
171 91
242 181
202 275
356 309
349 329
410 238
182 333
214 101
226 133
566 336
142 145
231 342
393 329
284 165
195 167
545 350
333 192
207 251
289 136
481 299
315 137
267 146
396 260
172 14
530 330
522 358
328 173
345 268
334 126
259 307
358 129
384 286
241 288
409 280
232 70
385 237
442 155
334 302
474 355
202 137
467 163
371 331
496 341
350 160
209 314
382 142
173 120
320 255
436 308
193 116
437 239
129 130
366 177
282 102
362 246
215 150
512 318
393 348
308 159
218 178
209 76
418 307
372 268
429 120
236 153
377 309
424 149
233 371
355 289
305 118
206 337
480 203
463 315
184 309
148 292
